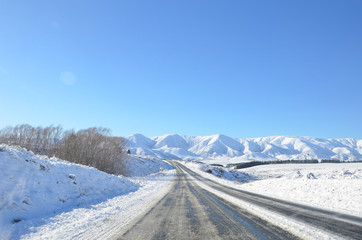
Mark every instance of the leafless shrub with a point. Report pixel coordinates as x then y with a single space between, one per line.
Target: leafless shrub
92 147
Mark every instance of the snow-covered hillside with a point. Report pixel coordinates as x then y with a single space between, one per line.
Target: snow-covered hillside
143 166
37 190
174 146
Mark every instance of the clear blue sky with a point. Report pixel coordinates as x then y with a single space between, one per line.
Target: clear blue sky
243 68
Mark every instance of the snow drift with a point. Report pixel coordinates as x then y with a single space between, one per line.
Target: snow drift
142 166
33 187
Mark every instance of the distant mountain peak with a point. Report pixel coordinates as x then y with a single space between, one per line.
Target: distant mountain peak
177 146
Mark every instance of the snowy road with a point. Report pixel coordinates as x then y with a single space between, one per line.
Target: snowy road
190 212
338 224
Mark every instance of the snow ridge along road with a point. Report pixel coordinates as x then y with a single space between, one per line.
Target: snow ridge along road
190 212
343 225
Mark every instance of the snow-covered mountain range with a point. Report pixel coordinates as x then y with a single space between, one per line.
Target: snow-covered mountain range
175 146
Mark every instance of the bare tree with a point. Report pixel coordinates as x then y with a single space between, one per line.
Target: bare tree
92 147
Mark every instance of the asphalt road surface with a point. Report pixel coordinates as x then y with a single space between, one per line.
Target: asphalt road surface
341 225
190 212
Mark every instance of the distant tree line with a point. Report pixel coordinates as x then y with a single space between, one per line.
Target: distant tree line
92 147
257 163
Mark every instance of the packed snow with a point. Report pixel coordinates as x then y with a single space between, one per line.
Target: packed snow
49 198
332 186
231 150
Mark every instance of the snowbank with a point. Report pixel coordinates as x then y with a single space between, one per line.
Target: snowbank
220 172
107 219
139 166
36 190
332 186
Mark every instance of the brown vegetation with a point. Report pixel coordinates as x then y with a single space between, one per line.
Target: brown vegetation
92 147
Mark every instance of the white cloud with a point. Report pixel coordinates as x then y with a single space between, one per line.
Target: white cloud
68 78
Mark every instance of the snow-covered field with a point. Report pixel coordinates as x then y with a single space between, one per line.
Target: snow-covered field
42 198
332 186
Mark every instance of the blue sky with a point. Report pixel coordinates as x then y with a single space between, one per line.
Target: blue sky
240 68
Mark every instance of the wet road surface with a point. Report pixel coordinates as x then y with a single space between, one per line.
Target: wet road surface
342 225
190 212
